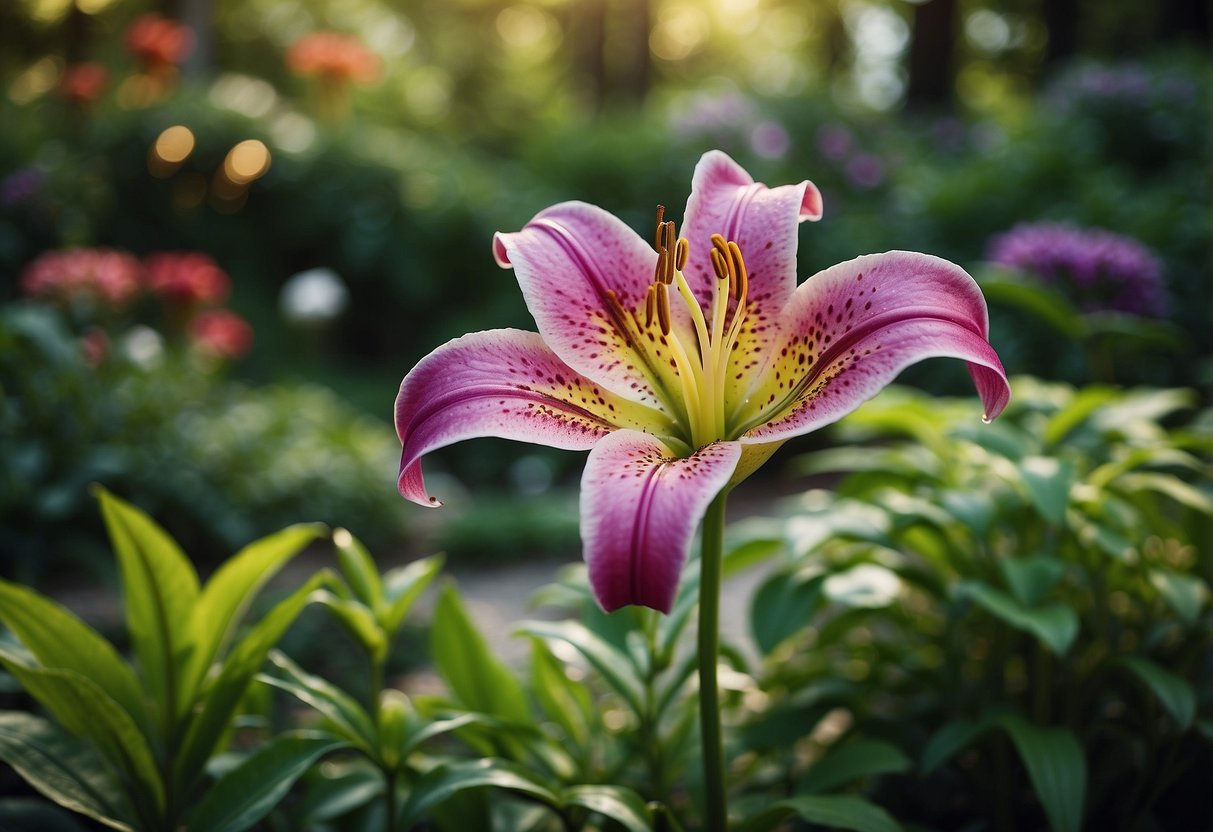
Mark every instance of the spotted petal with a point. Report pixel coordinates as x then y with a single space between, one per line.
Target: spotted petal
640 507
503 383
850 329
763 222
567 259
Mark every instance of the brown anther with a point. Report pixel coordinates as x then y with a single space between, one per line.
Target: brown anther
659 272
663 307
660 218
718 242
684 251
738 271
650 305
719 265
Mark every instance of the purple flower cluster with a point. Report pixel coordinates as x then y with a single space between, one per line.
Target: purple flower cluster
1099 270
1126 86
727 118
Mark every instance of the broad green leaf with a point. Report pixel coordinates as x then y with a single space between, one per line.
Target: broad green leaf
336 788
1085 402
1176 694
950 739
402 586
249 791
359 569
437 727
58 639
160 589
1184 593
618 803
85 710
476 677
973 508
342 710
1057 768
863 758
441 783
864 585
1055 625
223 695
783 606
614 665
1048 481
227 595
832 811
1045 303
63 768
1169 486
1031 578
565 702
359 621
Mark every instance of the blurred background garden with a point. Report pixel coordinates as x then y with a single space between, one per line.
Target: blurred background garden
227 229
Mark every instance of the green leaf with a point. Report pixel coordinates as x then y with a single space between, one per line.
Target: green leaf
227 595
18 814
973 508
614 665
478 680
359 621
1057 768
402 586
359 569
248 792
347 716
85 710
1031 578
63 768
618 803
223 695
949 739
58 639
1176 694
1078 410
444 781
862 758
1055 625
783 606
833 811
1184 593
1047 304
160 589
1169 486
1048 481
565 702
863 585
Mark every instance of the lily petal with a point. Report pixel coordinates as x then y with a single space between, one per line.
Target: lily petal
567 259
640 506
503 383
850 329
763 222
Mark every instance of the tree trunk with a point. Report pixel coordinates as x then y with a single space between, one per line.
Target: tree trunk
634 24
932 62
587 39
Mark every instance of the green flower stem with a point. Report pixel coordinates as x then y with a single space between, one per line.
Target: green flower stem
715 805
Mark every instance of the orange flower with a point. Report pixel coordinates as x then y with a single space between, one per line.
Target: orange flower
158 41
334 56
84 83
221 333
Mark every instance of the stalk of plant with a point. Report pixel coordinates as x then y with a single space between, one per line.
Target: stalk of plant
682 366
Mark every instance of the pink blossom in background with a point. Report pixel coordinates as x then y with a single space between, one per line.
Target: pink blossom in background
187 278
221 333
835 141
865 170
770 140
112 277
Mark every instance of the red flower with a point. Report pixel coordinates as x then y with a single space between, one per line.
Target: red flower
84 82
158 41
221 333
111 276
186 277
332 55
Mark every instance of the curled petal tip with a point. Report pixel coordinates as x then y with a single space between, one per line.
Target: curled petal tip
499 251
810 205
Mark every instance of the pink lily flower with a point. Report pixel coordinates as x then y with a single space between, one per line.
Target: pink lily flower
682 369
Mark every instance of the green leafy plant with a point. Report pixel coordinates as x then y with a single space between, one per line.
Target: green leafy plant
129 746
972 596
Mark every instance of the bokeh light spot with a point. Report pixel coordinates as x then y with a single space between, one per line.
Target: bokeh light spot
247 161
175 144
